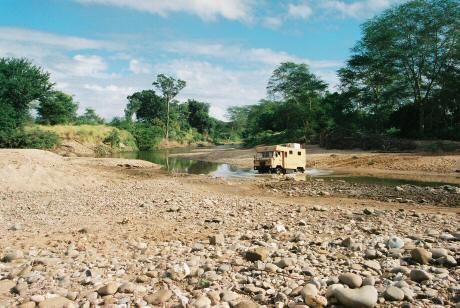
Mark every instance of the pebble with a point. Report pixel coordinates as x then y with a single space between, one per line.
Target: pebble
350 279
419 275
363 297
393 293
257 254
158 298
395 242
421 255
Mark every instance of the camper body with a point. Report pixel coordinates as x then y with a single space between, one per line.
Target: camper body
284 158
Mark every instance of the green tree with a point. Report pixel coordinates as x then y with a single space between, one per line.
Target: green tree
90 117
413 44
21 83
170 88
301 91
198 116
57 108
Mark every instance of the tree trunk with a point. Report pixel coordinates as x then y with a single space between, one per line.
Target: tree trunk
167 122
421 118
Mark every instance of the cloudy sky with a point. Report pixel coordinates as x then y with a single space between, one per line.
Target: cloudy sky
100 51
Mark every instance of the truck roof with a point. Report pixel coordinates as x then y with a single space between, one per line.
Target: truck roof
278 147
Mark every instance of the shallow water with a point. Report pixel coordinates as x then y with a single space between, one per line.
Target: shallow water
176 164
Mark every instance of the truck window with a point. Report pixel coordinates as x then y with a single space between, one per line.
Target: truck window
299 153
290 152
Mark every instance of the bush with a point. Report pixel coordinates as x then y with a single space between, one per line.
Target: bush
147 136
33 139
113 139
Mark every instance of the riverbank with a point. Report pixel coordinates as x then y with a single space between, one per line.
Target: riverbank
86 231
434 167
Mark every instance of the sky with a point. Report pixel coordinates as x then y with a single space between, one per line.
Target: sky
101 51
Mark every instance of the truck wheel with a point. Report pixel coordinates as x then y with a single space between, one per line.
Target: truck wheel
280 170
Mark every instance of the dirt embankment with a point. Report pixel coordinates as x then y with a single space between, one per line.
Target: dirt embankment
357 162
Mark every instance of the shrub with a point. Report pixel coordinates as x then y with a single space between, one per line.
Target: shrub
147 136
113 139
32 139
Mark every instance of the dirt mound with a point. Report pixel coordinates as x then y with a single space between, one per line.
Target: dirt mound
37 170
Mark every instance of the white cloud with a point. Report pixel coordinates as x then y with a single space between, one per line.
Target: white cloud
20 35
217 85
273 22
301 11
205 9
138 67
240 54
358 9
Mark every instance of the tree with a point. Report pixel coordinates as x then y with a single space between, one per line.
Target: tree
90 117
57 108
414 43
170 88
198 115
238 116
21 83
295 85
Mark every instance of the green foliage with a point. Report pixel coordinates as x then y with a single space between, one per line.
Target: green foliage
90 117
57 108
21 83
113 138
32 139
147 136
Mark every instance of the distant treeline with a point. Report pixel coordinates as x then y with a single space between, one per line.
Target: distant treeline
401 80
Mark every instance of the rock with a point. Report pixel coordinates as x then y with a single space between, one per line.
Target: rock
308 290
56 302
6 286
37 298
202 302
369 281
374 265
229 296
109 289
447 261
421 255
350 279
159 297
351 244
257 254
393 293
217 239
27 305
311 297
127 287
419 275
363 297
16 227
246 304
13 255
285 262
395 242
437 253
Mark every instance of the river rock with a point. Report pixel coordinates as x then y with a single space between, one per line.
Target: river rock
56 302
202 302
395 242
6 286
109 289
350 279
393 293
439 253
159 297
419 275
421 255
246 304
257 254
364 297
217 239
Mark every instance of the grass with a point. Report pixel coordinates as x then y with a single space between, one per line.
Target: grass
90 134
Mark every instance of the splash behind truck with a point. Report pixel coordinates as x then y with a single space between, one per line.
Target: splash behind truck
282 158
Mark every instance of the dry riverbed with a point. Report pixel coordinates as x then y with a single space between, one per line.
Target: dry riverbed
88 232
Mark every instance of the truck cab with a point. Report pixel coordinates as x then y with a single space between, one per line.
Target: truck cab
285 158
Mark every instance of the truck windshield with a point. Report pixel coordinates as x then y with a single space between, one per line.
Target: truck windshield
264 155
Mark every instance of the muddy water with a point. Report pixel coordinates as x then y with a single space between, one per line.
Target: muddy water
174 164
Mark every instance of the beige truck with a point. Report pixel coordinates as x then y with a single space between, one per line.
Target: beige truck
283 158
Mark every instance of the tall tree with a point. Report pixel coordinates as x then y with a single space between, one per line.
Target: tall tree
90 117
415 43
294 84
57 108
198 115
170 88
21 83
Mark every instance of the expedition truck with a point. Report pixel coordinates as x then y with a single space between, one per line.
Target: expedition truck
283 158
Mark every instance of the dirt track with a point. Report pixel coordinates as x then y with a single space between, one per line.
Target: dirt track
130 227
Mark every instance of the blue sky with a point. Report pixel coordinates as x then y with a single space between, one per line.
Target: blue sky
100 51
